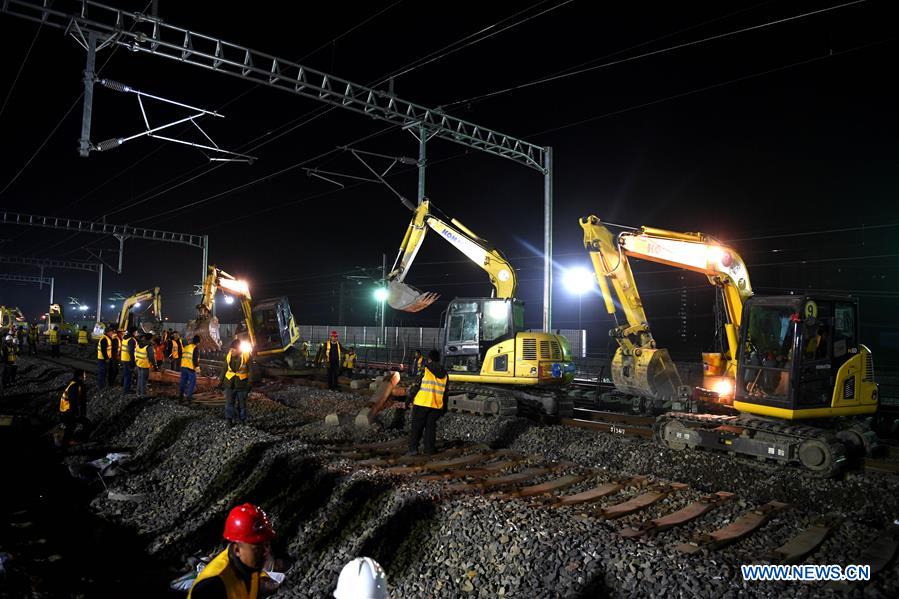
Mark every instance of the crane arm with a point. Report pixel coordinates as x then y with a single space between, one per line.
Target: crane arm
142 296
499 270
219 279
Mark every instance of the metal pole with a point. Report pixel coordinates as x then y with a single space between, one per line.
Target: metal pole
84 144
382 302
41 284
121 239
547 238
100 294
205 259
52 283
422 156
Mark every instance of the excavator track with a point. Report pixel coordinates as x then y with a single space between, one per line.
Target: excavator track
491 400
816 449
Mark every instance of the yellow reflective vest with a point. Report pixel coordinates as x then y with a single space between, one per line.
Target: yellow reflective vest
243 371
187 357
101 354
125 353
235 588
82 337
328 352
140 356
11 353
419 365
64 404
177 349
33 335
349 361
430 394
54 337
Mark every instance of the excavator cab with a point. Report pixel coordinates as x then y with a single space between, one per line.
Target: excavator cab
800 358
273 326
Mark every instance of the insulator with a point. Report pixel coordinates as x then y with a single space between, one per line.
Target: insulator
109 144
115 85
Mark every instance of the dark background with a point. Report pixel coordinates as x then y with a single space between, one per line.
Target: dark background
780 140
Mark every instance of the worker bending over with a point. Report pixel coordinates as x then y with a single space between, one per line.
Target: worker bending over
126 357
236 382
428 406
144 359
190 365
234 573
73 406
9 355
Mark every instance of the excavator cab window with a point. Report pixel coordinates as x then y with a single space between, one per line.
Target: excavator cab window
463 336
497 319
767 352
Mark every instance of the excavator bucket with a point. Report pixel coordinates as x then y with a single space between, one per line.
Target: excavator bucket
407 298
207 329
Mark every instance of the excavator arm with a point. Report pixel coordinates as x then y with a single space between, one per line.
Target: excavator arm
408 299
149 295
206 326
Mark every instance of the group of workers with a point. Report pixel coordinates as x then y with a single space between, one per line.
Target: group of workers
237 572
332 355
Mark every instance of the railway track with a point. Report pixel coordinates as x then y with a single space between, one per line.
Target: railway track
504 475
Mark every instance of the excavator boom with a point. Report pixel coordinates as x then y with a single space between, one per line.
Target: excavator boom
409 299
206 325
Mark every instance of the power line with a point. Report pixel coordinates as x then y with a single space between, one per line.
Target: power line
654 52
21 67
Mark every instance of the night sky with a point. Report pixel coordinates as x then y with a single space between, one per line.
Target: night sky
781 139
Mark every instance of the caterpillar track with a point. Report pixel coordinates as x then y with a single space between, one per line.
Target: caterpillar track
489 400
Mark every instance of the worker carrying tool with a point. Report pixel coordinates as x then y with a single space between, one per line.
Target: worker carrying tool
349 361
126 357
236 381
176 351
234 573
9 355
144 359
73 407
54 341
190 366
362 578
428 406
112 368
104 355
333 352
82 336
34 335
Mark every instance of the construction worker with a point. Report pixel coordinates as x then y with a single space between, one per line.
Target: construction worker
34 335
234 573
54 341
333 352
349 361
20 338
236 381
304 352
126 357
82 336
112 368
9 355
190 365
428 406
176 351
73 406
144 359
363 577
417 364
320 355
158 350
104 355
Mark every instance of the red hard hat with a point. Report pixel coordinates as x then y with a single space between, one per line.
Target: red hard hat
333 333
248 524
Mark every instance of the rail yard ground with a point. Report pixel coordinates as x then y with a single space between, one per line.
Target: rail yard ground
471 521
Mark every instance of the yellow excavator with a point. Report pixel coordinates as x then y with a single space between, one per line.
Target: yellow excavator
10 317
128 318
794 372
488 353
269 325
56 318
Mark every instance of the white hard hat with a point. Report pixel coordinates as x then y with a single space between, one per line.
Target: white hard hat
362 578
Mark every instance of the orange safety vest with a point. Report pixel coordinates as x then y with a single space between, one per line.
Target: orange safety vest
177 349
430 394
235 588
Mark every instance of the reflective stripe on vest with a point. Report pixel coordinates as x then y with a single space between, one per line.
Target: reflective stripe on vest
187 358
430 394
419 364
54 336
108 354
64 403
243 371
11 355
82 337
328 351
125 355
140 357
235 588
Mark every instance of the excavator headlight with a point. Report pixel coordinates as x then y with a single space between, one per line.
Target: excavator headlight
724 388
246 347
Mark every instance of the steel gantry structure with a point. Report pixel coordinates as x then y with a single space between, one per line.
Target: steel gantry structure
43 263
41 280
95 26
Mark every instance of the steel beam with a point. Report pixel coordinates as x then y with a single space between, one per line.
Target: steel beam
51 263
88 226
41 280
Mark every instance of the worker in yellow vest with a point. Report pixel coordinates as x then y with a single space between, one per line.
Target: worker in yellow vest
349 361
333 355
126 358
104 356
112 368
9 354
428 405
82 336
190 366
34 335
176 351
73 406
235 572
54 341
236 381
143 361
417 364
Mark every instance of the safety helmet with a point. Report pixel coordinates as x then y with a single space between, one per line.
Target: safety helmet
362 578
248 524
